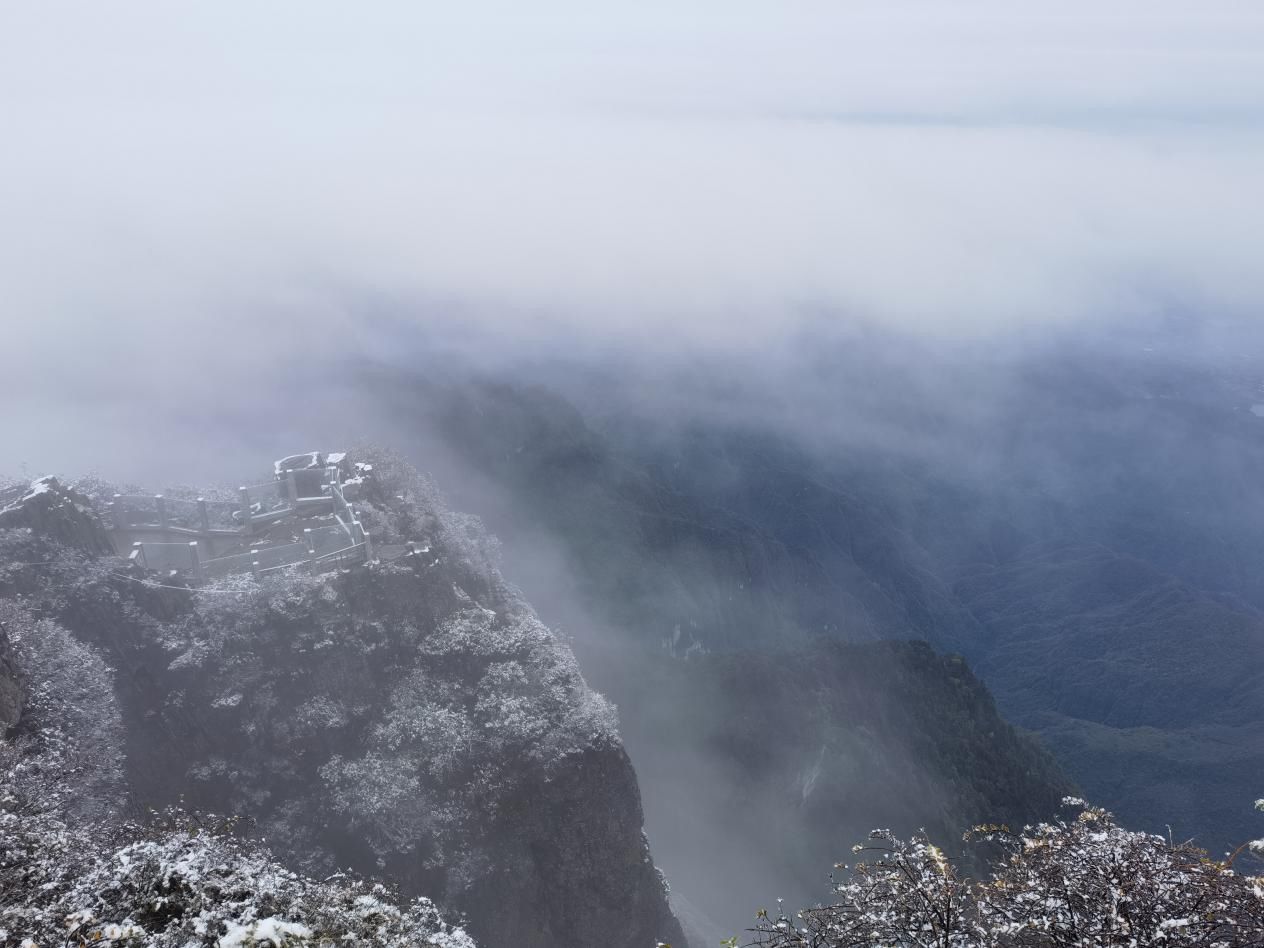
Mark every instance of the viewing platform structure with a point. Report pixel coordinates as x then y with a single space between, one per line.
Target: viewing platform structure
309 503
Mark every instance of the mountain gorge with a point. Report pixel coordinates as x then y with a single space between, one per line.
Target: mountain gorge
1075 523
774 763
415 722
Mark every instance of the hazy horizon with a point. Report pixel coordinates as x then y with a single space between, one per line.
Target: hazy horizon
199 201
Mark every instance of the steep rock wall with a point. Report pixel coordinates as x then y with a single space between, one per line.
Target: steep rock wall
413 721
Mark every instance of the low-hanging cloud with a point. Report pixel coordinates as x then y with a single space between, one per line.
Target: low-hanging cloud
193 198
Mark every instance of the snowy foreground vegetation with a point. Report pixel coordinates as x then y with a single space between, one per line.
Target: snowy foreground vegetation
186 887
70 874
1078 883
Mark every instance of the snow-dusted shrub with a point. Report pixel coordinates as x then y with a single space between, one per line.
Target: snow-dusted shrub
465 537
379 784
427 721
58 885
320 714
513 709
1079 883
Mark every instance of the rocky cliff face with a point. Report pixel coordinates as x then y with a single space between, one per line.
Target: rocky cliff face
411 720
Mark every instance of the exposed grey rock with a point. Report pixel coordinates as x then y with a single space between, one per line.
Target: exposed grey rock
57 512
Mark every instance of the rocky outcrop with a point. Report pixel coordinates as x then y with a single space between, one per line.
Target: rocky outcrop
580 825
57 512
413 721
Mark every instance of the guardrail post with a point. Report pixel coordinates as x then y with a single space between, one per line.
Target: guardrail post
368 544
138 554
120 514
313 564
196 558
161 502
291 488
254 568
244 496
203 517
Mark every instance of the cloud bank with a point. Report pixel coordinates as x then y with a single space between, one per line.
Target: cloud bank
194 195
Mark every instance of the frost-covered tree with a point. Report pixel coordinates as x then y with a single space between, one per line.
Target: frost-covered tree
73 873
1075 883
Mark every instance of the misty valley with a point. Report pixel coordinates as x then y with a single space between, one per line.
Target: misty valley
682 661
632 475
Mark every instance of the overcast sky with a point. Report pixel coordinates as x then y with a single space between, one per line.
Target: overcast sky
221 184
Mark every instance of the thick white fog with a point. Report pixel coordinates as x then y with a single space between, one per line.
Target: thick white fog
197 200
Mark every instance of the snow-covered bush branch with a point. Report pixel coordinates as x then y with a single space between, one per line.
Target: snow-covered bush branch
1083 882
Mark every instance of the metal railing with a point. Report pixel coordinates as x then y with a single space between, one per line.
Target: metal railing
338 545
227 565
325 553
167 557
170 513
